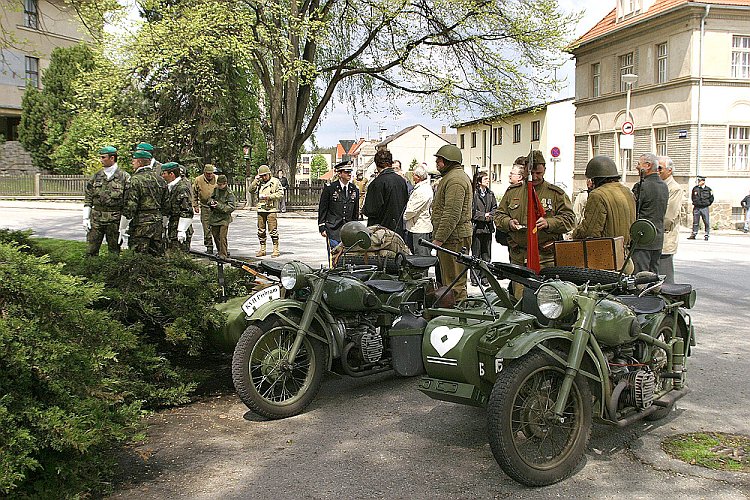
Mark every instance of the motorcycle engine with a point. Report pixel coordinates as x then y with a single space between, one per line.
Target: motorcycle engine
368 341
641 382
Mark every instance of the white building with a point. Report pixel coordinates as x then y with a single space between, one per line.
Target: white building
413 144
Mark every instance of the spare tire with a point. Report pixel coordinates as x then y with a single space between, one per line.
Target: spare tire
581 275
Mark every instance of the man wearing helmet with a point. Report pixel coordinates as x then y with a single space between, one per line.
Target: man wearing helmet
269 193
451 215
610 209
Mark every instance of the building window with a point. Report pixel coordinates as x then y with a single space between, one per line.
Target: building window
626 156
594 140
31 14
462 141
596 72
739 148
535 130
473 139
661 63
517 132
741 57
32 71
626 67
497 136
660 138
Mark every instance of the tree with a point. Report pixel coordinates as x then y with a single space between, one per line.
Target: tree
318 167
489 55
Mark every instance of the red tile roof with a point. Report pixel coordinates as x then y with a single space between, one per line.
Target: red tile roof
608 24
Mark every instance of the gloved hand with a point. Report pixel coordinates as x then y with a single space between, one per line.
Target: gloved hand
181 236
124 223
182 227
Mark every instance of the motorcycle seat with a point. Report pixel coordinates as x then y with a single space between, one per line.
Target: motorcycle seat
420 262
386 286
643 305
676 290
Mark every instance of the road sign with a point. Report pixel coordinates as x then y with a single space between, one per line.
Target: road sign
555 152
626 141
627 128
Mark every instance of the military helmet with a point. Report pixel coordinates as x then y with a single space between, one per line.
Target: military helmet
601 166
450 153
263 170
355 233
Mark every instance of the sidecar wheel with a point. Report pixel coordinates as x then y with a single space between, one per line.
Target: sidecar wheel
581 275
530 445
263 380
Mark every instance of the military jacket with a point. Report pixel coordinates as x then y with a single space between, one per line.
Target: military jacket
226 202
179 205
335 209
558 213
202 190
702 196
271 189
146 197
451 207
610 211
106 197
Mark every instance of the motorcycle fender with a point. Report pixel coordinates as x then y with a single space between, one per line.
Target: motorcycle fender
283 305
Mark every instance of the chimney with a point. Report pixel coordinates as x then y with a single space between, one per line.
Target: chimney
442 129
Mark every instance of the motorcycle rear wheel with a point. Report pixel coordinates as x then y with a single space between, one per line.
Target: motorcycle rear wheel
263 379
528 443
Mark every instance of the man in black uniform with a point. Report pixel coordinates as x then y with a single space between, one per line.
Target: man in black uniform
702 198
339 204
386 196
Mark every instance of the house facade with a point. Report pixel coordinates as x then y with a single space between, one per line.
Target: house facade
302 174
414 144
492 144
690 99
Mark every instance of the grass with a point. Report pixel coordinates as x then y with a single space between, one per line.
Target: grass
713 450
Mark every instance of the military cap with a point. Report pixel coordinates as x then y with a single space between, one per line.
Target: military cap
701 178
170 166
538 158
142 154
144 146
344 165
108 150
209 169
221 179
264 170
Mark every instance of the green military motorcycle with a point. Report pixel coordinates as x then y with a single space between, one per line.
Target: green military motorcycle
594 345
354 320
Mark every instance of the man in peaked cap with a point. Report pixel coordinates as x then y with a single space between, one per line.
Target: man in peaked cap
141 221
103 200
702 198
203 188
179 208
339 204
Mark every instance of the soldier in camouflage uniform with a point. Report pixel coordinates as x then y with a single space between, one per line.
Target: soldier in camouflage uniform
155 165
179 208
144 203
102 203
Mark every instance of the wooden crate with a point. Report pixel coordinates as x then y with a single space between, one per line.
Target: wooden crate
593 253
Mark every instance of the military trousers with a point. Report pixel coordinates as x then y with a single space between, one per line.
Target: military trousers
207 241
267 220
450 269
147 235
97 233
219 234
174 244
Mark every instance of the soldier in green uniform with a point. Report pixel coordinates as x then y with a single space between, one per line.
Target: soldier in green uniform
268 191
222 203
179 208
141 221
102 203
559 218
155 165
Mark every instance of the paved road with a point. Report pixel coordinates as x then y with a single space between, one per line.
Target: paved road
379 437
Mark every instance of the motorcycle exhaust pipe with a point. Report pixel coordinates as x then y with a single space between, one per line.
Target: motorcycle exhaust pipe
664 401
354 372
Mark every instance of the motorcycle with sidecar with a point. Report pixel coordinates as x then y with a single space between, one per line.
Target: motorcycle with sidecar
592 345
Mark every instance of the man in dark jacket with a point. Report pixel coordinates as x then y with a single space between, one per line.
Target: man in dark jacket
651 197
482 212
745 204
386 196
702 198
339 204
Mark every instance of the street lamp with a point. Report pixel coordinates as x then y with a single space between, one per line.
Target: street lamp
628 79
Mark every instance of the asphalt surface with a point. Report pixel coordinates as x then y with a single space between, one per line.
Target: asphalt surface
379 437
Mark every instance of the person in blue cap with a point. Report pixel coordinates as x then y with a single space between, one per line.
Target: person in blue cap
103 200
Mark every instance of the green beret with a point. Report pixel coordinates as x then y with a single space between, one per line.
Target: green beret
108 150
144 146
170 166
142 154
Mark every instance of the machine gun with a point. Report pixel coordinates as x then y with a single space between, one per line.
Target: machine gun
263 271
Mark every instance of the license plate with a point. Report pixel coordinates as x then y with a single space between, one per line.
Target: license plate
262 297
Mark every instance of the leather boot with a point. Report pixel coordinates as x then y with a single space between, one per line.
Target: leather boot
275 249
262 251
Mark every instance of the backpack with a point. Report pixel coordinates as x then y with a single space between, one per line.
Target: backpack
384 245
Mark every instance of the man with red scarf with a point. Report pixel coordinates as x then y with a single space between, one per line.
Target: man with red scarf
551 216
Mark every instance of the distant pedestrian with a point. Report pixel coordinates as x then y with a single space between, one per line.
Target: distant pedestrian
103 200
269 193
702 198
651 198
339 204
671 219
179 208
579 204
386 196
285 188
484 205
361 184
203 188
745 203
417 221
222 204
145 200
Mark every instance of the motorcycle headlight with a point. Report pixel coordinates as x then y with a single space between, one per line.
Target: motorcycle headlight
555 299
293 275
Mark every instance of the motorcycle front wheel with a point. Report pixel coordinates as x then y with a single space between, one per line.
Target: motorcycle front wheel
528 442
264 379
